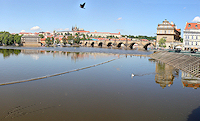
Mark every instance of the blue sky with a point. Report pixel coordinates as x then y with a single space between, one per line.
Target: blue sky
131 17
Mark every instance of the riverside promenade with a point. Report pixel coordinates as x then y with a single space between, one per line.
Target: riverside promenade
186 63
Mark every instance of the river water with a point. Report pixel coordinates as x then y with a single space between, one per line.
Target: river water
128 88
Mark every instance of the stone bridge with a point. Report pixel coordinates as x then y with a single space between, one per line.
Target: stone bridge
117 44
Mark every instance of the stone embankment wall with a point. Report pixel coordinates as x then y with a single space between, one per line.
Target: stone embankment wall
186 63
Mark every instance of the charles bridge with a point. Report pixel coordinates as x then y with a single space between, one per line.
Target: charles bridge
129 44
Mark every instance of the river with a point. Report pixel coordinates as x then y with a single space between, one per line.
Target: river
111 85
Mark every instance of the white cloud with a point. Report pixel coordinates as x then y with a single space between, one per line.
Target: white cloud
22 30
184 8
196 19
35 28
119 18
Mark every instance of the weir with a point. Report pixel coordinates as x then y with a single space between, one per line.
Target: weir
186 63
56 74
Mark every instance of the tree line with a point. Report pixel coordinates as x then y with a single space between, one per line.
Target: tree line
140 37
9 39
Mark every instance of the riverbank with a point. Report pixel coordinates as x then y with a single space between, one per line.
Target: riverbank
186 63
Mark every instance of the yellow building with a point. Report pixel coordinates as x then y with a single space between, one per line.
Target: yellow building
169 32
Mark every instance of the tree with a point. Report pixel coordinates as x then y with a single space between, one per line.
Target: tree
84 37
1 38
17 39
64 39
10 39
77 39
41 35
48 41
162 42
181 40
52 38
5 39
57 41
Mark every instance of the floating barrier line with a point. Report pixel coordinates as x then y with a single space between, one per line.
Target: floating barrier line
57 74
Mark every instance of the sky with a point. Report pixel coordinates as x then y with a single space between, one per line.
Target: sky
129 17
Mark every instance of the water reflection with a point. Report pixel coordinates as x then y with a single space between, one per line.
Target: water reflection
190 81
165 74
35 53
7 52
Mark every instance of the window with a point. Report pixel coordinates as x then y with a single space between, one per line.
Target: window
192 43
189 25
192 37
196 43
196 37
165 32
195 25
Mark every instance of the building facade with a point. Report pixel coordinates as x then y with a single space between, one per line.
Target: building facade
169 32
105 34
31 40
88 33
191 37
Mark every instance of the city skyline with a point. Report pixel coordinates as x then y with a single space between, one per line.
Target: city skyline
136 17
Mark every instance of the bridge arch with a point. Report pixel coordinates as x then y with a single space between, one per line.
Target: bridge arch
92 44
131 45
100 44
119 44
109 44
145 47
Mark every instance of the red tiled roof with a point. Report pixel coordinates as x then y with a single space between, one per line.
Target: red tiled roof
50 36
192 26
43 39
100 32
83 31
115 33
